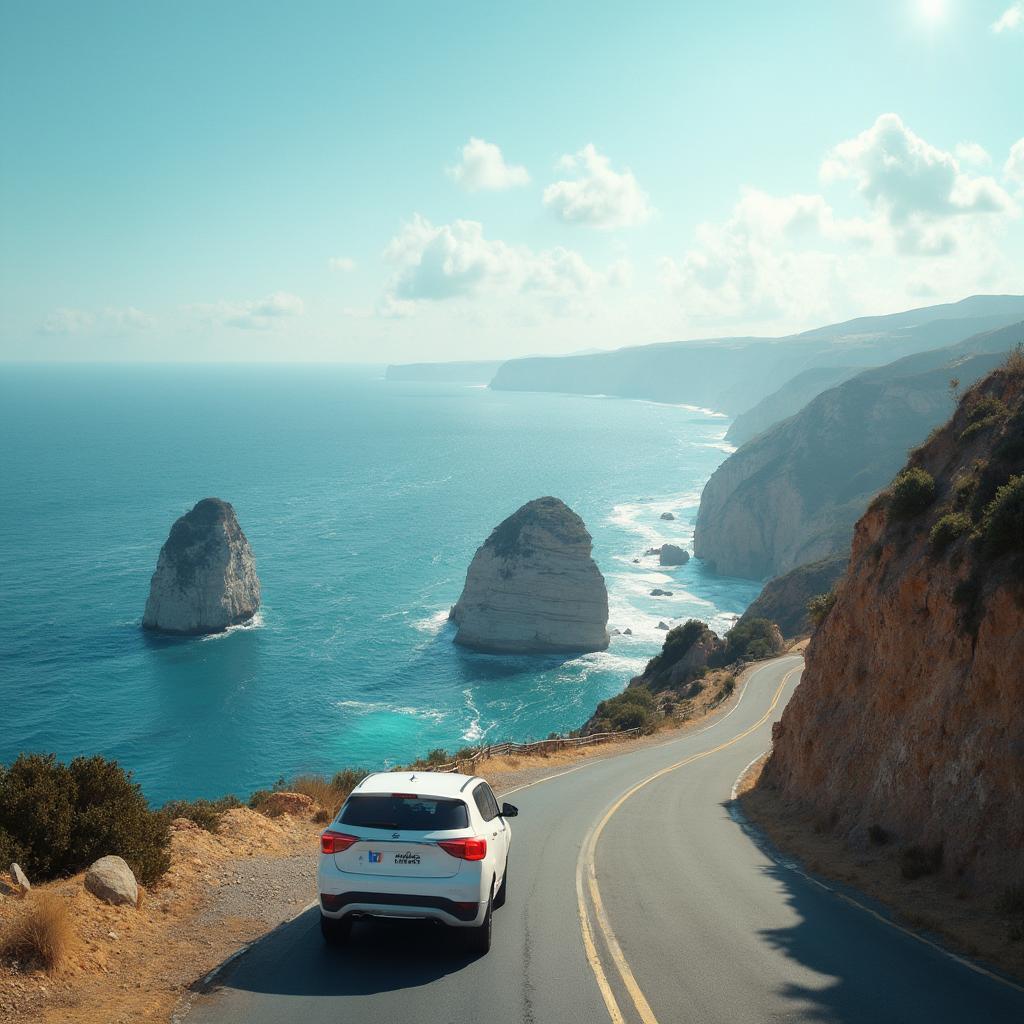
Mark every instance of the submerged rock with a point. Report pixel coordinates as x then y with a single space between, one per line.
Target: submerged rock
668 516
533 587
205 579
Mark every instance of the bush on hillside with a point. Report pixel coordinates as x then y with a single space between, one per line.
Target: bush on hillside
1002 523
820 605
678 642
912 492
634 708
205 813
1014 364
918 861
751 641
984 414
62 817
948 529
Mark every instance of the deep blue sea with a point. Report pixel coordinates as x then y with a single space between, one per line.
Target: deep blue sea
364 502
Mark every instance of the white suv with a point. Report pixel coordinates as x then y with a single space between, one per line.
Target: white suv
416 845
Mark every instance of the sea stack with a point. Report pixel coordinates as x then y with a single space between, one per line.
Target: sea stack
533 587
205 579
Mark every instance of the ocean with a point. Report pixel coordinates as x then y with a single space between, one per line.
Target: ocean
364 502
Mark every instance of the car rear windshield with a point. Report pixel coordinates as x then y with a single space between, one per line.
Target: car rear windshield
415 813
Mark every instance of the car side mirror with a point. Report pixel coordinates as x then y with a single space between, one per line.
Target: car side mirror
508 811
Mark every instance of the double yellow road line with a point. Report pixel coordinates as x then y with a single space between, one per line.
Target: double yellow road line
586 884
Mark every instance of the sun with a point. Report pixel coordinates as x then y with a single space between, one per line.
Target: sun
932 10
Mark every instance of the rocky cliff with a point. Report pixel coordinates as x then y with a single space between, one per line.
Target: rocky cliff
792 495
533 586
205 579
784 598
908 721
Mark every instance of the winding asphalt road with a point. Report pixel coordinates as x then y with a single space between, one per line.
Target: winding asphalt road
635 894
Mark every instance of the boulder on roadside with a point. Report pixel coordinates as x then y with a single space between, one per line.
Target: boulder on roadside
672 554
111 880
20 878
298 805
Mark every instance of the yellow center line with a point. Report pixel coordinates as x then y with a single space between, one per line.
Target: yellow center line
586 866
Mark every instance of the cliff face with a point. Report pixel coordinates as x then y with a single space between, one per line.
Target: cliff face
784 598
909 712
205 579
792 495
533 587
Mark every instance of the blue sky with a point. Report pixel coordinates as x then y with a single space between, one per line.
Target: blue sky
333 181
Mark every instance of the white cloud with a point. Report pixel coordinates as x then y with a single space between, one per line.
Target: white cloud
252 314
483 168
342 264
433 263
597 196
972 153
912 185
1012 18
931 229
102 321
1014 168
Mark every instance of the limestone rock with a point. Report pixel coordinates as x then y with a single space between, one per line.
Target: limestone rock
672 554
111 880
20 878
205 579
533 587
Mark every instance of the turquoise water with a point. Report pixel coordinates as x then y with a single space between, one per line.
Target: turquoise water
364 502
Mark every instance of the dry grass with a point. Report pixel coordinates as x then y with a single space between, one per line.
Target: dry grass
42 934
320 790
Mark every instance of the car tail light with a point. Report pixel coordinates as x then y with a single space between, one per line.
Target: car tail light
336 842
465 849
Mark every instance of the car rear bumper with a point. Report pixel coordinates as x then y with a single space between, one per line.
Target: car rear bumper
377 904
459 901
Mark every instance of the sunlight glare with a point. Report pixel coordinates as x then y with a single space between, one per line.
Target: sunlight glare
932 10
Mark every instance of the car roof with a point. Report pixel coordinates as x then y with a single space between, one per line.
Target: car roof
444 784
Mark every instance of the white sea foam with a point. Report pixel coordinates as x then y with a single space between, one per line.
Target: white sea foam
474 731
256 622
433 623
366 707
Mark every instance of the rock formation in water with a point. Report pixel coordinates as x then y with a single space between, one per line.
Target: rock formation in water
672 554
533 587
205 579
792 495
908 717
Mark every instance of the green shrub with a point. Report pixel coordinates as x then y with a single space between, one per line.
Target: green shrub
1014 364
205 813
820 605
912 492
62 817
947 529
879 836
1002 522
751 641
984 414
964 487
634 708
678 642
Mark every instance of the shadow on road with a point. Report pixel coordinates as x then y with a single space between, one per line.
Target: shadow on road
859 969
382 956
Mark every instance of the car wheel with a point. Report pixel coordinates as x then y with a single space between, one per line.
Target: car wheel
478 939
502 894
334 930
